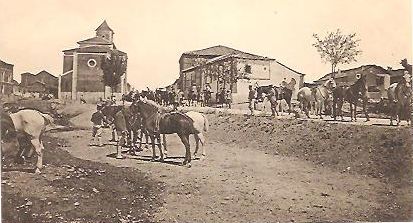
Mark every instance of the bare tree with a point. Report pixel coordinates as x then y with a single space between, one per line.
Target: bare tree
337 48
113 66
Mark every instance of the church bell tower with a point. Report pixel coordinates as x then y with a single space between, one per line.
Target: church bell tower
105 32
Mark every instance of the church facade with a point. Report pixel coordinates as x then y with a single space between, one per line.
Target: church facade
82 74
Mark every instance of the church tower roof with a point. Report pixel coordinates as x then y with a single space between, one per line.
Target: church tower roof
104 26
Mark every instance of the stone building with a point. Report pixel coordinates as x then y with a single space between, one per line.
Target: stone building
82 73
226 68
378 79
6 78
42 83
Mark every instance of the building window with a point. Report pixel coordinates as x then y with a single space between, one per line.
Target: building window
91 63
247 69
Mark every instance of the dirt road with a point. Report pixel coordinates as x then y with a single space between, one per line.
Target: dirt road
243 181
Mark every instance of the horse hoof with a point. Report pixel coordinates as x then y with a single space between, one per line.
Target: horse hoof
37 171
188 165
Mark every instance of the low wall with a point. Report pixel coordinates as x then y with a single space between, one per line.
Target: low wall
90 97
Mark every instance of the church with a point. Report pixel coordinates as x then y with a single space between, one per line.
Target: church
82 74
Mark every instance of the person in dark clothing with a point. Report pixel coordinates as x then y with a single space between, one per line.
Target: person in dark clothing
97 120
251 99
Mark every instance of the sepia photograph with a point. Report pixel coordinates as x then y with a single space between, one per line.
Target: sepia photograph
206 111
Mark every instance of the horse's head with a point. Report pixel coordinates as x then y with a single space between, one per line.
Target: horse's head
330 84
145 107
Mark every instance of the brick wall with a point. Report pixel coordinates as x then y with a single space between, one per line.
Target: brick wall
89 78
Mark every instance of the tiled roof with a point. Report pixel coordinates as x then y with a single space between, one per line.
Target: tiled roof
223 57
104 26
224 50
95 40
356 69
93 49
26 73
45 72
5 64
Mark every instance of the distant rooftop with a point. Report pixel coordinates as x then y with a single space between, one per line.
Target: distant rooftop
224 50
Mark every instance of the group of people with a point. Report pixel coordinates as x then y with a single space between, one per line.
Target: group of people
254 96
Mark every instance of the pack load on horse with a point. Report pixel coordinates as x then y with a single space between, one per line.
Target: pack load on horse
25 125
319 95
156 122
399 95
352 94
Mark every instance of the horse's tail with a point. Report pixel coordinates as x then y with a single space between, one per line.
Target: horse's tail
206 123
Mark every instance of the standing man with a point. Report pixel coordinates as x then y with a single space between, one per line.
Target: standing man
194 95
97 119
251 99
208 93
273 100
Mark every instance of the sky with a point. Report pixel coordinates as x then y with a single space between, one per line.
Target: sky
155 33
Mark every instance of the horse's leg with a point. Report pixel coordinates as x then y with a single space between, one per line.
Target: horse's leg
398 113
153 147
340 109
147 139
38 146
185 141
164 146
365 101
141 139
158 138
392 109
320 110
197 145
355 110
119 145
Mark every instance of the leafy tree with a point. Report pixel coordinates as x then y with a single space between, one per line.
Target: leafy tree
113 66
337 48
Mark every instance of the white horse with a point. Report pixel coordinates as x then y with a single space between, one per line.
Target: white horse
201 124
320 95
32 124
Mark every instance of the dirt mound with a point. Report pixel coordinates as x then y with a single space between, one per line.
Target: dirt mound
384 153
71 189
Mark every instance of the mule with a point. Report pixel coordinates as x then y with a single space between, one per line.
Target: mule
30 123
156 122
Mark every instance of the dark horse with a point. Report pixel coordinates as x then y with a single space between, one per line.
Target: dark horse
156 122
351 94
123 122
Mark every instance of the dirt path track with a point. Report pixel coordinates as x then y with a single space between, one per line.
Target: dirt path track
245 185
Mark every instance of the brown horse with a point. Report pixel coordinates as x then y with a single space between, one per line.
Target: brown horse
351 94
156 122
399 95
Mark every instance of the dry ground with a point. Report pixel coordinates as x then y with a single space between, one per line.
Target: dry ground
257 169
